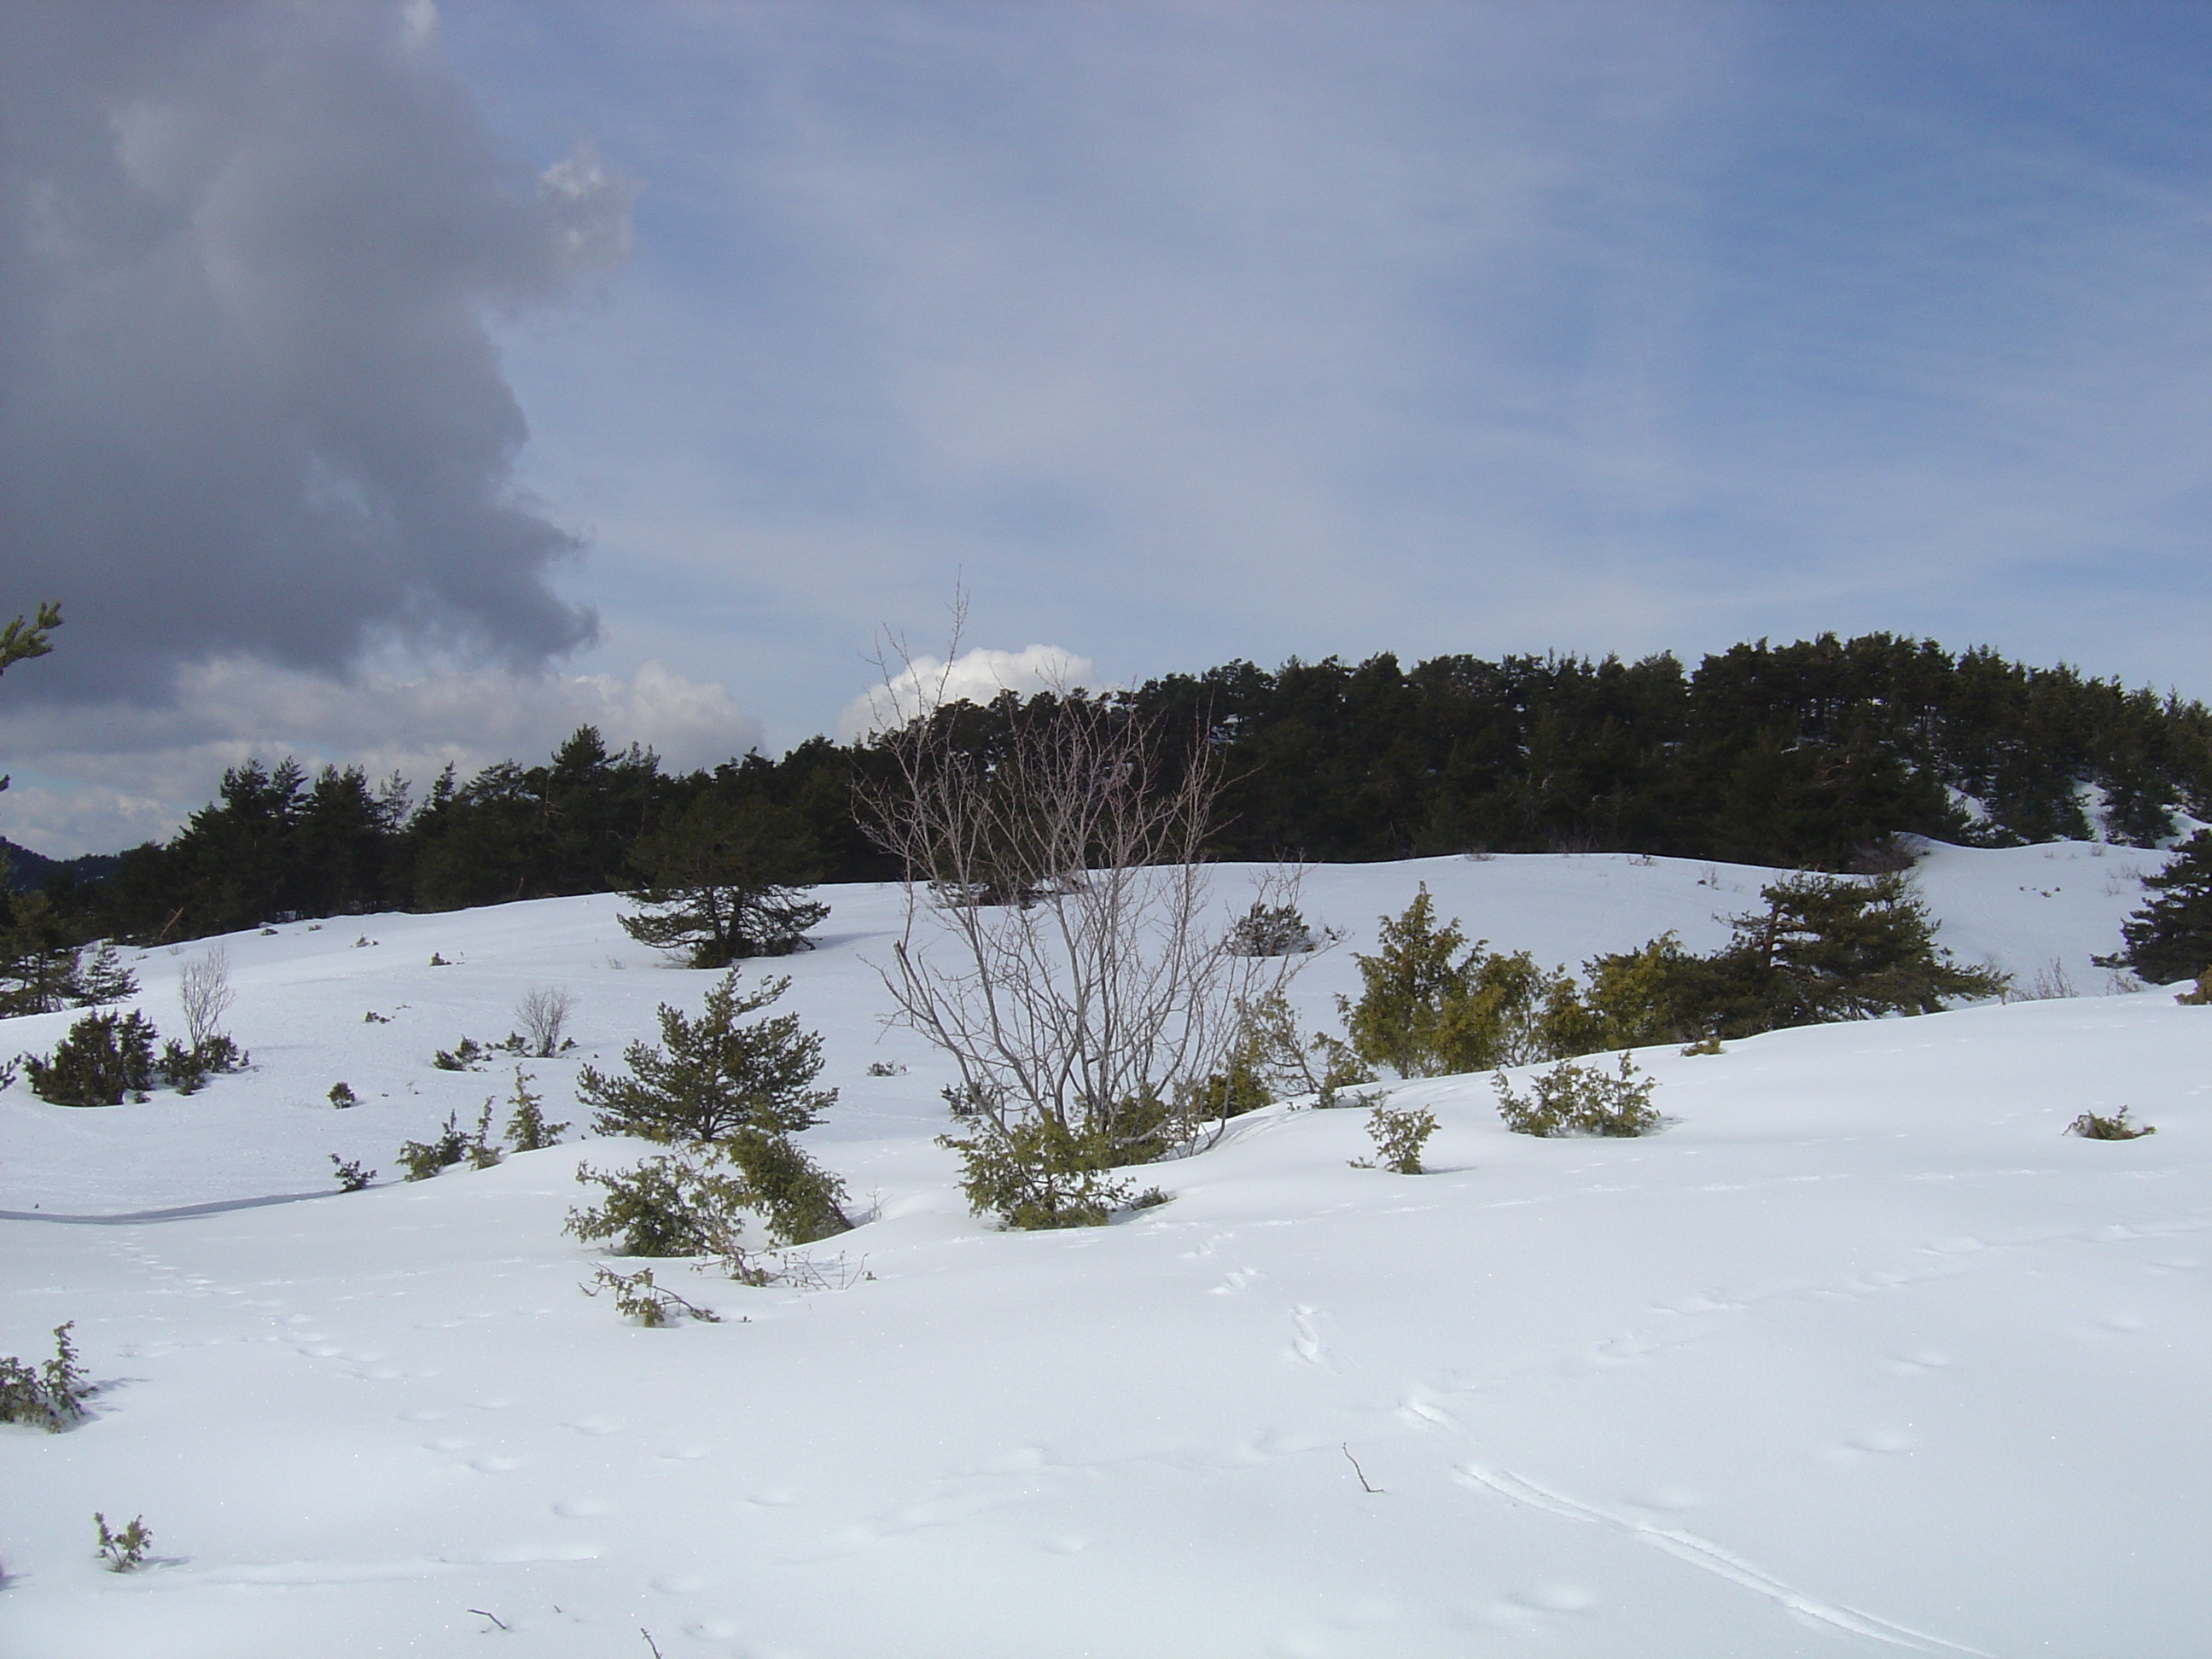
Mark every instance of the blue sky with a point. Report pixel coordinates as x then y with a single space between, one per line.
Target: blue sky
1188 332
1181 334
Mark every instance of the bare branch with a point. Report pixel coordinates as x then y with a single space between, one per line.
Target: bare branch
204 990
1057 940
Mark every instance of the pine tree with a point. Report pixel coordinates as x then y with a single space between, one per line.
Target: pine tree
38 962
723 881
1833 947
711 1076
729 1095
2170 937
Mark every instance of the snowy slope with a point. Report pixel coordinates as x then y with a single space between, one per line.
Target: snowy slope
1860 1355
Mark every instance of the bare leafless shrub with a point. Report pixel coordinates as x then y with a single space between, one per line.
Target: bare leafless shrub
1057 941
204 990
543 1015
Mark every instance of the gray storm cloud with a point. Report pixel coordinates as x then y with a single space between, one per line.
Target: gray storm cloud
248 402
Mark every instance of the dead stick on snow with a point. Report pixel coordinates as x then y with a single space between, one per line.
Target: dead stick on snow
1362 1474
494 1617
650 1642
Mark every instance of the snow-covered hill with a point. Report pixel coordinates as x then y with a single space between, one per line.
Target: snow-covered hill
1860 1354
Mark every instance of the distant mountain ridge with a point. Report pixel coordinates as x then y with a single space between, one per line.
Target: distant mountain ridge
27 869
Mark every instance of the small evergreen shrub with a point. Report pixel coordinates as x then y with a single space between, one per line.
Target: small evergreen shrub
50 1395
637 1297
714 1074
1235 1090
1270 930
528 1130
725 879
963 1099
421 1160
352 1178
123 1551
1283 1063
104 1058
181 1068
372 1017
1708 1044
343 1097
1038 1173
673 1205
1399 1133
885 1068
735 1093
2095 1126
1429 1007
802 1201
102 979
1581 1100
480 1153
469 1055
186 1070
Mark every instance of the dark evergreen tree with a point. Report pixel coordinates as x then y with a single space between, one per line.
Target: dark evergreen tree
722 880
1836 948
1823 948
2170 937
104 1058
38 956
1807 755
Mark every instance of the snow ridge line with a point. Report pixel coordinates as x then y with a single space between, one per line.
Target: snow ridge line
1703 1553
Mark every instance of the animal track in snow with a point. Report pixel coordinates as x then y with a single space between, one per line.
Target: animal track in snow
1417 1409
1305 1339
1709 1556
1916 1364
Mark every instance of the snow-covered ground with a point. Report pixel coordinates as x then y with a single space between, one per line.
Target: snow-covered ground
1860 1354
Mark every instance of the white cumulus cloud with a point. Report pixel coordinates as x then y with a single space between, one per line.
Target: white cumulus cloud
976 676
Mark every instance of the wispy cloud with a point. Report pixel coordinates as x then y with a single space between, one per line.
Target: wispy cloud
94 777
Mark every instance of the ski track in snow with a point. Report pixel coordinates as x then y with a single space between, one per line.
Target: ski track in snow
1710 1557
